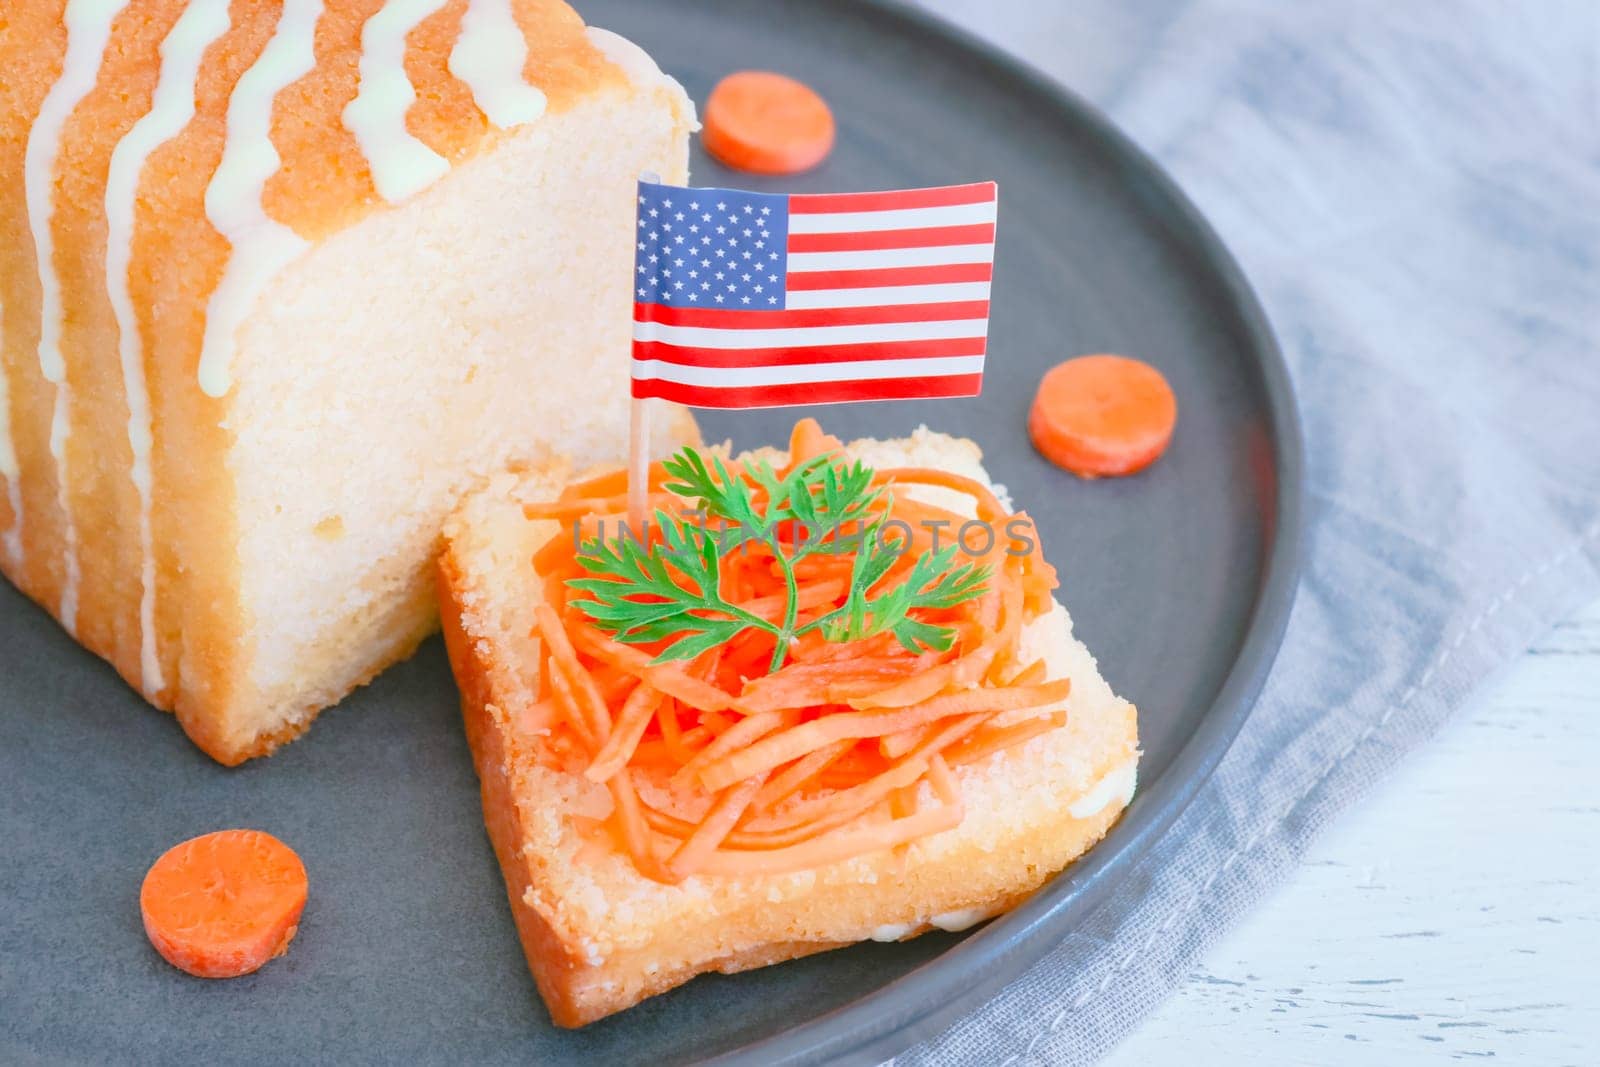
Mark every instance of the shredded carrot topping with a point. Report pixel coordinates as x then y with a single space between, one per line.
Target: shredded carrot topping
775 704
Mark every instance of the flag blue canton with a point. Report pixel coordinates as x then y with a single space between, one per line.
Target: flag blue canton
711 248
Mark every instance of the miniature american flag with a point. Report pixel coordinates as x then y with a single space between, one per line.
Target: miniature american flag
756 300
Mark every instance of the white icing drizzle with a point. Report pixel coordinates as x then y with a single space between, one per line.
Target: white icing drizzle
953 921
402 166
60 431
489 57
11 538
261 246
962 919
88 25
1116 785
88 31
634 61
171 108
892 931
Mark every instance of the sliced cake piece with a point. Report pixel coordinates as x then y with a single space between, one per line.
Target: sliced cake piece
606 913
278 282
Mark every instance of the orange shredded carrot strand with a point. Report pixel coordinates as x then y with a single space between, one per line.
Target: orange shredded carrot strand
948 734
824 651
834 848
626 733
716 723
795 742
601 494
897 744
592 705
956 674
667 677
807 442
772 606
652 755
716 825
561 510
634 831
567 701
739 735
903 801
854 800
802 685
694 738
1032 674
902 804
990 742
944 785
988 507
613 482
554 554
614 685
672 730
750 840
538 717
795 777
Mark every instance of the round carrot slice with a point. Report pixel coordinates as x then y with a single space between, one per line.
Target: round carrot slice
766 123
1103 415
222 904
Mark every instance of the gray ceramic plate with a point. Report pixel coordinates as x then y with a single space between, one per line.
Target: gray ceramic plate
1179 579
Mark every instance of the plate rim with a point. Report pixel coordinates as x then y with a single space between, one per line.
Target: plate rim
928 999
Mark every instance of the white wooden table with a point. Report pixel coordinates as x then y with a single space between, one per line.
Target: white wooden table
1454 914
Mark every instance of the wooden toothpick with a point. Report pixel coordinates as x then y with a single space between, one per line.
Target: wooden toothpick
638 463
639 439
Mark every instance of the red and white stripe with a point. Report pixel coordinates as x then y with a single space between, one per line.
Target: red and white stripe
887 298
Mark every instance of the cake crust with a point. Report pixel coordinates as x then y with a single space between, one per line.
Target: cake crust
599 937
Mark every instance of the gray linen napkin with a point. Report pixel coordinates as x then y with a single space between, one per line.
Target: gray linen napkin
1414 190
